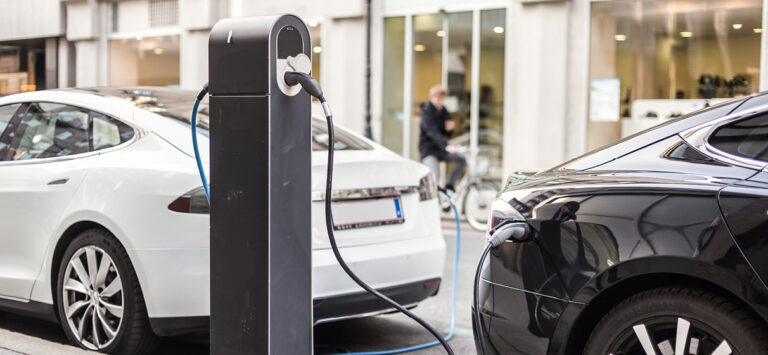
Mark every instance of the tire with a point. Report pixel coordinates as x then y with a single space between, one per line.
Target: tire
708 321
114 308
476 203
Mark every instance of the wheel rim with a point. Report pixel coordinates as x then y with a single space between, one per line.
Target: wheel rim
477 205
93 297
661 335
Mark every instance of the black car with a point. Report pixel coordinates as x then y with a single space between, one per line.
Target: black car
657 244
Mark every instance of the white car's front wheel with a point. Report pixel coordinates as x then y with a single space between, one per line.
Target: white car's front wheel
100 303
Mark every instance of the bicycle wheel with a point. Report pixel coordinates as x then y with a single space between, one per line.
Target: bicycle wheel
476 204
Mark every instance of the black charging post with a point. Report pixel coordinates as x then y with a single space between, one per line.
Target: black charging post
261 291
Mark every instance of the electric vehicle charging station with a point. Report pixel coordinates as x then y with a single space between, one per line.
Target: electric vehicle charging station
261 290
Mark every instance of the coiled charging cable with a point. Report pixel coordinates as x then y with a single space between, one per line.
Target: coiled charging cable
313 88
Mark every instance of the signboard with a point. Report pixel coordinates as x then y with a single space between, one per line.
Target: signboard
604 99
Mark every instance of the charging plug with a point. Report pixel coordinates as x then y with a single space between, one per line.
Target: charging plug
306 81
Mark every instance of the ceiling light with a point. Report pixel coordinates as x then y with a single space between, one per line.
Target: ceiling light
757 30
317 49
498 29
686 34
312 23
139 38
736 26
158 51
620 38
419 47
440 33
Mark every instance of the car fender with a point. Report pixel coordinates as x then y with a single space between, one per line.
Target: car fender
610 287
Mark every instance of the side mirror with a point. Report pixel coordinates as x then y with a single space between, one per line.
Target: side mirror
516 231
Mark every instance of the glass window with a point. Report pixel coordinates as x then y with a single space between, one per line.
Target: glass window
392 87
109 132
665 58
6 113
315 33
491 108
459 73
343 139
49 130
746 138
427 67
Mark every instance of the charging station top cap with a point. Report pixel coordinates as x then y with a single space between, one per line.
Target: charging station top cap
243 52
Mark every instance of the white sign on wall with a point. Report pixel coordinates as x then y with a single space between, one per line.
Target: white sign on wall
604 99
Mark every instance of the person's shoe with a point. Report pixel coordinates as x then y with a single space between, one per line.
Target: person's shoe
450 188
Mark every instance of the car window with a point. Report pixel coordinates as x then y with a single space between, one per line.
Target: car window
654 134
343 140
109 132
6 114
746 138
49 130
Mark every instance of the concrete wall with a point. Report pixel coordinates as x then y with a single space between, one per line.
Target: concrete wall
30 18
547 76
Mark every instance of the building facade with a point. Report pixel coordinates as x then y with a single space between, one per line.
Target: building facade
531 83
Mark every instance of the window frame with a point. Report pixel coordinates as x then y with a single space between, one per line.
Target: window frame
137 133
699 138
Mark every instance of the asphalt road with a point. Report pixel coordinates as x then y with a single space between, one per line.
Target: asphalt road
21 335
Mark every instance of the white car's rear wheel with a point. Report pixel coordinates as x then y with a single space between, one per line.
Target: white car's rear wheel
99 300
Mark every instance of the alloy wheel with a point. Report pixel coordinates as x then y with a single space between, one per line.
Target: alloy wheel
671 335
93 297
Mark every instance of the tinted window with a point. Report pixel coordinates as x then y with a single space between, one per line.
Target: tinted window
654 134
344 139
109 132
6 113
48 130
746 138
171 103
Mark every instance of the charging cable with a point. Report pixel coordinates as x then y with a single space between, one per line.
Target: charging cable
313 88
193 122
453 299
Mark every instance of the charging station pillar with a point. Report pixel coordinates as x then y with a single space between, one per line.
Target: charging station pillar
261 290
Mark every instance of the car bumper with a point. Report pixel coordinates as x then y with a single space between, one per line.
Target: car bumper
179 296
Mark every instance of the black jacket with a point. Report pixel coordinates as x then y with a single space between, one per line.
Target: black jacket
432 136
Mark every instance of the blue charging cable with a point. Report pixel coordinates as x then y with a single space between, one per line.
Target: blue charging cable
453 301
193 121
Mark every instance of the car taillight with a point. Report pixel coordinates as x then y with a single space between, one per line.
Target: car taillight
427 187
191 202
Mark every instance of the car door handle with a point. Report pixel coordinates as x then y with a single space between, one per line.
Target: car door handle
59 181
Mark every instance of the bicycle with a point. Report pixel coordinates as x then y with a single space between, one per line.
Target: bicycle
473 194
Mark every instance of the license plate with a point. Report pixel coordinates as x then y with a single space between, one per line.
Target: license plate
352 214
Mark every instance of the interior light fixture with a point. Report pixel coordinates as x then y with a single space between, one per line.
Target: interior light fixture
312 23
620 37
498 29
158 51
686 34
757 30
440 33
736 26
317 49
419 48
139 38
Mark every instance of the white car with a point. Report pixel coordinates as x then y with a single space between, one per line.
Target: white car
104 224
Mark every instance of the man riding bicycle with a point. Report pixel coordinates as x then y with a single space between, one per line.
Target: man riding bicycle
436 125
